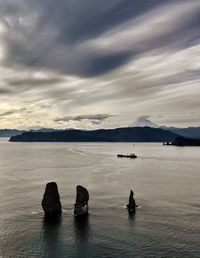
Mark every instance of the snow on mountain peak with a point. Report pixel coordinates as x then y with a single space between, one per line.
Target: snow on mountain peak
144 121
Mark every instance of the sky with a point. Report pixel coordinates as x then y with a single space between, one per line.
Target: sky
99 64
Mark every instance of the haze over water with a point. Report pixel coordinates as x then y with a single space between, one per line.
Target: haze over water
165 180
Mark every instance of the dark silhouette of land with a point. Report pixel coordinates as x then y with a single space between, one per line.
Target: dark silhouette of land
189 132
182 141
130 134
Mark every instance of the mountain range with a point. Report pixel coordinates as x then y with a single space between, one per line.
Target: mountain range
141 130
13 132
190 132
130 134
10 132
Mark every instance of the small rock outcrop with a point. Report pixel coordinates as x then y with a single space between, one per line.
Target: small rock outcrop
131 204
82 198
51 201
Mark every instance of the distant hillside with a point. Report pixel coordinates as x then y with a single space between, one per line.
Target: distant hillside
9 132
13 132
135 134
190 132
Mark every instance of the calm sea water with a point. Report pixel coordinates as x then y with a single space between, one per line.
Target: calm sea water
165 179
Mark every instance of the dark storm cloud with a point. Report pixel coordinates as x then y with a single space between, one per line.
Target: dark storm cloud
95 119
105 63
81 20
55 34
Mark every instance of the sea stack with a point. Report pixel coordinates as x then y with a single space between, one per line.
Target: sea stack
82 198
131 204
51 201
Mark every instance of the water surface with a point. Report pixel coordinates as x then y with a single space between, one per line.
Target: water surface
165 180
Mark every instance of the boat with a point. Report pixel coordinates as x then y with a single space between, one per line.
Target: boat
131 156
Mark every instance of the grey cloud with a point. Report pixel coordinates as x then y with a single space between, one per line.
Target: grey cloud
95 119
45 106
33 81
141 118
7 113
63 29
11 112
118 55
81 20
105 63
4 91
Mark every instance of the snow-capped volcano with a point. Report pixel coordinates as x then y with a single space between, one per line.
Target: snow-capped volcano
144 121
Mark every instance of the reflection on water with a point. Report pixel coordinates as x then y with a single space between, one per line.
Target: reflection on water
82 234
81 227
51 235
55 230
131 215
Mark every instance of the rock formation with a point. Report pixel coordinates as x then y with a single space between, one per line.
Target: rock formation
51 200
82 198
131 204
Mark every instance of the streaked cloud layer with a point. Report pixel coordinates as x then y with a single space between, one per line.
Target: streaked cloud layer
92 64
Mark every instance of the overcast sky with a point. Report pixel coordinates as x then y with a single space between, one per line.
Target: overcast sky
99 63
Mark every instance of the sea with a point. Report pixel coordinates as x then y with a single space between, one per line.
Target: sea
165 180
